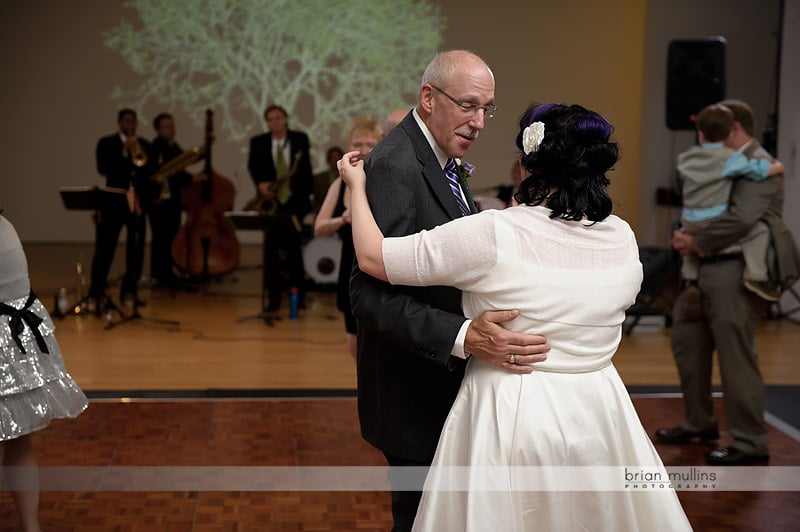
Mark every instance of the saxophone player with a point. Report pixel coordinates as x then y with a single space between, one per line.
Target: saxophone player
280 165
123 161
164 211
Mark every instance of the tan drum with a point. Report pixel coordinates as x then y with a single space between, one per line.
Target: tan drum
321 256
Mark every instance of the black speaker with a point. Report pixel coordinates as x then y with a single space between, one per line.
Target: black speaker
695 78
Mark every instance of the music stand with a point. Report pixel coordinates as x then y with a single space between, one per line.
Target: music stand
108 199
251 220
134 315
88 198
92 198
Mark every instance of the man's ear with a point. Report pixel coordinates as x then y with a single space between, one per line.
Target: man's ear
426 98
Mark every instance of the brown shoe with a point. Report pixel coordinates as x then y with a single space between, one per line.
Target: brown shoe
731 456
680 435
764 289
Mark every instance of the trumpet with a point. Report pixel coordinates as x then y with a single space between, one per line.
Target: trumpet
138 155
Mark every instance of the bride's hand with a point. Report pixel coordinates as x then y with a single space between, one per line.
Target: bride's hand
351 168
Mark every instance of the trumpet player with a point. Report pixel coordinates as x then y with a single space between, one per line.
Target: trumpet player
124 162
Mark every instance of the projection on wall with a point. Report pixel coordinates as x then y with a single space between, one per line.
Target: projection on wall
324 61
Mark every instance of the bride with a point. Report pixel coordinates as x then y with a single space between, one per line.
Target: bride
572 269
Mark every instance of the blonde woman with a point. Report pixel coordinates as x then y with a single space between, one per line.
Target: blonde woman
363 135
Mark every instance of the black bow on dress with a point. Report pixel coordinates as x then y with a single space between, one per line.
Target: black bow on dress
22 317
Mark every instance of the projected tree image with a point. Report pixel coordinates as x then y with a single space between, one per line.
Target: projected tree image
323 60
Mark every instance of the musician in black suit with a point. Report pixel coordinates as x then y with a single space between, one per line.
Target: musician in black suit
123 159
280 165
164 210
413 341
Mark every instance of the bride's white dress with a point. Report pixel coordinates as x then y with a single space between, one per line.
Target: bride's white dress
572 282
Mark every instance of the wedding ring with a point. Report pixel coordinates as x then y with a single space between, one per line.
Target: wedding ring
512 359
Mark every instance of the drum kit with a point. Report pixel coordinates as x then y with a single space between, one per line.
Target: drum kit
321 257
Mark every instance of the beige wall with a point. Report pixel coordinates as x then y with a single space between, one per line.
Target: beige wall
58 77
789 139
574 51
750 28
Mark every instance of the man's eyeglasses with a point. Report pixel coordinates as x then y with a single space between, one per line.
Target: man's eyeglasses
470 108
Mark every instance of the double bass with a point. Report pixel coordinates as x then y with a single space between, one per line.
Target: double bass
206 245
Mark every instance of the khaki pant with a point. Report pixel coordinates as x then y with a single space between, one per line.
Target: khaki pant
755 245
730 313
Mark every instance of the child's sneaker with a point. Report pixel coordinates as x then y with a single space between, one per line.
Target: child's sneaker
764 289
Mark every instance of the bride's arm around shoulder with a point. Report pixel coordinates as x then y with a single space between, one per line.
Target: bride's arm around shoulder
367 236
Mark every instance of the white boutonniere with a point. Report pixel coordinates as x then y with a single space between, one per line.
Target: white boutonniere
532 137
464 169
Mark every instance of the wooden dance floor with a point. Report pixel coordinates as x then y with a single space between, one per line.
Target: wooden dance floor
221 390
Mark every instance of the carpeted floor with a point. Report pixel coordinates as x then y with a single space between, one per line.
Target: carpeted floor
296 433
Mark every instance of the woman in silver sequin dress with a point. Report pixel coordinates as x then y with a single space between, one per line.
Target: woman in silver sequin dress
34 386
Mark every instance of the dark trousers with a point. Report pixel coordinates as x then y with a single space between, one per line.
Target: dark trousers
165 220
404 502
109 225
283 251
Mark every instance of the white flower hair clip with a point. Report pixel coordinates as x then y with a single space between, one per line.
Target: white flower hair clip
532 137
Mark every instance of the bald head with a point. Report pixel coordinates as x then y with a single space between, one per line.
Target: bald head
393 118
446 64
455 99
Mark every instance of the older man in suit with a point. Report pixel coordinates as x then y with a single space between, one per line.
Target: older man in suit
729 312
413 342
280 165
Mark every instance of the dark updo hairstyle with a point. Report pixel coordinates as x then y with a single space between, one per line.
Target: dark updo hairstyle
571 161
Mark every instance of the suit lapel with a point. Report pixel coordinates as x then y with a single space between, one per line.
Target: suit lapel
431 171
468 194
268 149
292 148
438 182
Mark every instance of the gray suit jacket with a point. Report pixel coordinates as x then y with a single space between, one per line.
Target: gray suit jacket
407 379
750 202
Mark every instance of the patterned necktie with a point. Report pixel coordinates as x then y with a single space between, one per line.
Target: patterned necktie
280 171
455 187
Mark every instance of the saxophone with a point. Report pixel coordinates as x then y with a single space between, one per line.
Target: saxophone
270 206
172 167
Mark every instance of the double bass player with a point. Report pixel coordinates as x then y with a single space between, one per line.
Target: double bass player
164 191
